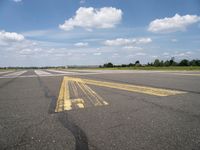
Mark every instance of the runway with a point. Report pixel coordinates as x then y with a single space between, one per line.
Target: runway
99 109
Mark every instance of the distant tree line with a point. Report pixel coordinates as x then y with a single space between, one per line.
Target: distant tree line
157 63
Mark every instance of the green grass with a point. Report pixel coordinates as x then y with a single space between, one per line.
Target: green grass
7 70
187 68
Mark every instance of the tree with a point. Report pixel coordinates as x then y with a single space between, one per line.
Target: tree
194 62
108 65
166 63
198 62
161 63
137 63
130 65
124 65
171 61
184 62
156 62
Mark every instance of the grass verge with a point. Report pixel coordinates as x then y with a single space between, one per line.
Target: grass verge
184 68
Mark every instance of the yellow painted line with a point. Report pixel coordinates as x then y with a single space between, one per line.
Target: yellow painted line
86 93
79 102
130 87
80 105
105 103
95 97
63 102
135 88
74 88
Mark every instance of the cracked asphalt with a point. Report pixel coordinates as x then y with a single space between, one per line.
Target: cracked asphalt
131 121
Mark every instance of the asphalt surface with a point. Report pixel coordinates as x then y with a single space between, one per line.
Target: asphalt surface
129 120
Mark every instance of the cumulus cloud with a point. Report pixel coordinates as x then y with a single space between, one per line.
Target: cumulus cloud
89 18
126 42
97 54
140 54
174 40
31 51
130 47
11 36
115 55
17 1
82 1
183 54
173 24
81 44
166 54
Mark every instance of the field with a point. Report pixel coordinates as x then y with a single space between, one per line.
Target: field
185 68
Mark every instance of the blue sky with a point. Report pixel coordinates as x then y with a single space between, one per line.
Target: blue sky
93 32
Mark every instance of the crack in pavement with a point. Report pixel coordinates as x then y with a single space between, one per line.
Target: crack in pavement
81 140
79 135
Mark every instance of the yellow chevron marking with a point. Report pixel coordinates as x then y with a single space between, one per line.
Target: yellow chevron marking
131 87
65 102
91 98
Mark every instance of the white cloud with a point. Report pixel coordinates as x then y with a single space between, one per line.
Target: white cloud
31 51
119 42
174 40
127 42
11 36
128 47
81 44
173 24
131 47
166 54
140 54
136 55
143 40
154 56
25 51
189 52
38 33
17 1
89 18
178 54
82 1
97 54
115 55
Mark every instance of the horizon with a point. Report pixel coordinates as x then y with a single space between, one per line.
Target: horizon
93 32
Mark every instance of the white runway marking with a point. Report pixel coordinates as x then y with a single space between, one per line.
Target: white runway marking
15 74
42 73
5 72
93 72
62 72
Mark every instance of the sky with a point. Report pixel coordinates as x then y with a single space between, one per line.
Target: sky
94 32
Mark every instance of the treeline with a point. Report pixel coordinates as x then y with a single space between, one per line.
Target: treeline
157 63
